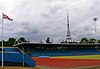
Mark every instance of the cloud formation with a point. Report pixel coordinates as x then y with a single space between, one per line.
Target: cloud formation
39 19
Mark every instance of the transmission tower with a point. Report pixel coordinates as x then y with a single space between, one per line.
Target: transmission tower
68 36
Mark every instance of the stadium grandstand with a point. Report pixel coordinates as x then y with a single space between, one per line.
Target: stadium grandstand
39 49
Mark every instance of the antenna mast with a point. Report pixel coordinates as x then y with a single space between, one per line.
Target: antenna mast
68 36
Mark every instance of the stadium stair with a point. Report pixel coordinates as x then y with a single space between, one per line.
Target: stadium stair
14 55
67 52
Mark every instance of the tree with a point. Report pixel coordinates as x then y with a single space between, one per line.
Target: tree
22 39
48 40
92 40
98 41
4 43
10 41
84 40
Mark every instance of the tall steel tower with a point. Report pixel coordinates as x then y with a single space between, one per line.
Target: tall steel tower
68 36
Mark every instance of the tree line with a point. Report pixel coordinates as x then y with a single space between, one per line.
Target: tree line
91 40
11 41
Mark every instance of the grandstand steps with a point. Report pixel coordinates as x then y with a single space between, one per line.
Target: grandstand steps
13 56
67 52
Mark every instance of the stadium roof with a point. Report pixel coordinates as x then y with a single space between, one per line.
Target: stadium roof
57 45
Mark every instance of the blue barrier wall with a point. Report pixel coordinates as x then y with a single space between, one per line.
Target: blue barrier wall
14 55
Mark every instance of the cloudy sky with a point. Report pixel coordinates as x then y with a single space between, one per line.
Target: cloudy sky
39 19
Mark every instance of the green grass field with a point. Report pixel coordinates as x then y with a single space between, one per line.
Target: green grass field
81 57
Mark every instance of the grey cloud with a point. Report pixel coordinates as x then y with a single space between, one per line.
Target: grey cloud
38 19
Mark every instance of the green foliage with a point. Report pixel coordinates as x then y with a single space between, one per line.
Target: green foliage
92 40
10 41
48 40
4 43
22 39
84 40
98 41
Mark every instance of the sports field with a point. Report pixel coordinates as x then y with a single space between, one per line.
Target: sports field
69 61
96 57
65 62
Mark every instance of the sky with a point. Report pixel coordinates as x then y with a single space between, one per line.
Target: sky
39 19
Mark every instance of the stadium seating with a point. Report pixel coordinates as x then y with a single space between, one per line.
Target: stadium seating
67 52
14 56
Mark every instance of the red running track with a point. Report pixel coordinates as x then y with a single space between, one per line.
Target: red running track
65 63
